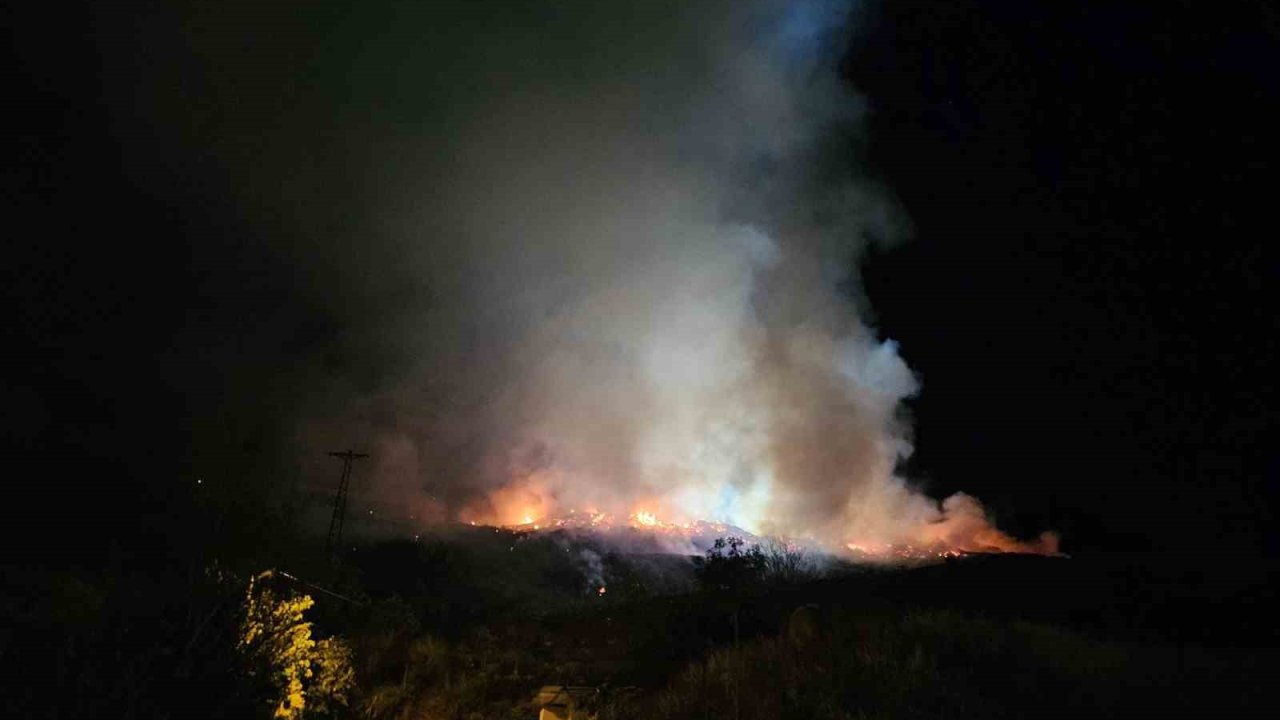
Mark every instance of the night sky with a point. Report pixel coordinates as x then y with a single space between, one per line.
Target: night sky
1090 188
1083 292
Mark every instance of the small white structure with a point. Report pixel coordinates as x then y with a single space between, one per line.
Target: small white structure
564 702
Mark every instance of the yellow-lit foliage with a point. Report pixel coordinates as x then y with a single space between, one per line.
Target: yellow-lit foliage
306 675
334 674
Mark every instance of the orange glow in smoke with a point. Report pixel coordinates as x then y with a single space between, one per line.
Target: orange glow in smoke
521 502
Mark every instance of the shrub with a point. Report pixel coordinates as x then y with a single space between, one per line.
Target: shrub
296 673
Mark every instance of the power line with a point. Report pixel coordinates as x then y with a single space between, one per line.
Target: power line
313 586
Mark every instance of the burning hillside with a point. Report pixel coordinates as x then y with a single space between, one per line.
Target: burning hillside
639 520
640 530
947 539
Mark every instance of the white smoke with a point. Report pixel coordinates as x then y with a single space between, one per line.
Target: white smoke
635 237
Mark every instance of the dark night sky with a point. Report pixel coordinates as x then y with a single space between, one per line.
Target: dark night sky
1089 184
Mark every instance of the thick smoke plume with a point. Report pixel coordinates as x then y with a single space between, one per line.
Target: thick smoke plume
606 260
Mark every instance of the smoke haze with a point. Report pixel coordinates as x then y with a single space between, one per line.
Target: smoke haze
582 256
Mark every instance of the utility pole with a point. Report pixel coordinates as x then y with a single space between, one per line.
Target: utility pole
340 499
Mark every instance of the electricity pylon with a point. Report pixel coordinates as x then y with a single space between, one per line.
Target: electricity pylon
340 499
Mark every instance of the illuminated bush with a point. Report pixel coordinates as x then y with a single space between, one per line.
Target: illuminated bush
304 676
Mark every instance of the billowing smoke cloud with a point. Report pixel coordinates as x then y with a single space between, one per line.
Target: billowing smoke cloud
606 259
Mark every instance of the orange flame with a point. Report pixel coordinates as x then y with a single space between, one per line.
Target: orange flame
646 519
961 525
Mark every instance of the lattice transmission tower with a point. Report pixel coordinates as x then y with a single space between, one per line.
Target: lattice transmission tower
340 499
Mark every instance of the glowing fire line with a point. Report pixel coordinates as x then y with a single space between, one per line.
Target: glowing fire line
527 507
